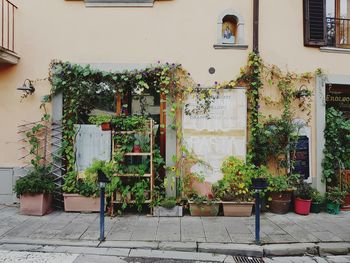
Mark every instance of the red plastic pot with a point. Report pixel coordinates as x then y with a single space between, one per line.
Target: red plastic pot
302 207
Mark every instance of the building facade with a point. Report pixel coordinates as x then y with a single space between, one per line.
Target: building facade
211 39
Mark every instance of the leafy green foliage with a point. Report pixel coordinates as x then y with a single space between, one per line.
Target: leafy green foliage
35 182
139 191
168 203
317 197
304 191
99 119
337 146
335 195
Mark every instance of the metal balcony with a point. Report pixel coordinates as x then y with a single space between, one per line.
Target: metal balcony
338 32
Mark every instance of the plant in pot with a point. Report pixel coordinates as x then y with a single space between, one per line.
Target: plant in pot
101 120
334 197
317 201
137 147
303 199
280 193
81 190
140 193
201 205
168 207
35 191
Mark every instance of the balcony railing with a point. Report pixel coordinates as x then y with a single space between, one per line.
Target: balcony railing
7 38
338 32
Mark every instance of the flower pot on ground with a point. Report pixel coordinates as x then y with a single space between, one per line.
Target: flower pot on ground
237 209
303 199
334 198
35 191
203 206
317 200
280 193
346 202
168 208
79 203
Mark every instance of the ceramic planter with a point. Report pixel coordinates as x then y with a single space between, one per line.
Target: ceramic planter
237 209
79 203
333 208
302 207
176 211
35 204
136 149
204 209
280 202
315 208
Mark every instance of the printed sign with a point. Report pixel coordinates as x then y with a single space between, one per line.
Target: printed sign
220 136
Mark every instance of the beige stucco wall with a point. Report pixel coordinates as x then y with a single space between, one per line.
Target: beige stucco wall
181 31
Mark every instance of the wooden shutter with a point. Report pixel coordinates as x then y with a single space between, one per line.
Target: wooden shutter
315 34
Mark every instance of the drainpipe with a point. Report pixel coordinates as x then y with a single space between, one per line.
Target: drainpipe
256 26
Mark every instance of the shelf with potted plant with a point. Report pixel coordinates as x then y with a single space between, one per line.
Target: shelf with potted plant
137 142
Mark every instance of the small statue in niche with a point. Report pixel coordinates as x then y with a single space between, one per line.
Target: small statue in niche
227 35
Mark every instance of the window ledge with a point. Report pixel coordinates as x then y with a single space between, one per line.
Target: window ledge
119 3
335 50
230 46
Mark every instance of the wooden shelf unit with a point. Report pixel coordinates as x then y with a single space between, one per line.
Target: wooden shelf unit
149 175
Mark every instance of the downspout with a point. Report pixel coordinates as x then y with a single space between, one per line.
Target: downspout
256 27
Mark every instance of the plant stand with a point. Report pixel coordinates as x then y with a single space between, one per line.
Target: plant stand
150 175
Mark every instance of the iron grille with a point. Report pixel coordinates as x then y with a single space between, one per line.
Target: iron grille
241 259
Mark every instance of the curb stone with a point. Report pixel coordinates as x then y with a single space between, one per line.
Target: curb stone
232 249
334 248
130 244
290 249
178 246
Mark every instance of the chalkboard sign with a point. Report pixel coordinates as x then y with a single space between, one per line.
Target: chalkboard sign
302 161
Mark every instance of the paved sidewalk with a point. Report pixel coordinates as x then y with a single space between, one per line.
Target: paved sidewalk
290 228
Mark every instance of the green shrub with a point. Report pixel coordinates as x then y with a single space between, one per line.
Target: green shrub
335 195
168 203
36 182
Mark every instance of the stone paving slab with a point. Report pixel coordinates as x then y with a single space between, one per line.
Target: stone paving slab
289 228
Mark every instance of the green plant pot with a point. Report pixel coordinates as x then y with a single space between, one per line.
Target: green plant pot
315 208
333 208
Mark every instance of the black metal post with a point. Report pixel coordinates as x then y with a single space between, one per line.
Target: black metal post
257 217
102 212
256 26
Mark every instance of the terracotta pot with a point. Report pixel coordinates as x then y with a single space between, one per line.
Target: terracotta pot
106 126
302 207
79 203
35 204
204 209
279 206
346 203
346 176
237 209
136 149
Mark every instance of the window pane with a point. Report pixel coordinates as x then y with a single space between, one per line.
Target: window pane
330 11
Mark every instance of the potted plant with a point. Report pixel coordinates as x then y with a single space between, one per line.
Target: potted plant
35 191
140 193
233 188
101 120
334 198
303 199
280 194
167 207
317 201
201 205
137 147
81 190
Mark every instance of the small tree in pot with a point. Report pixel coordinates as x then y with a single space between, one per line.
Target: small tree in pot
303 199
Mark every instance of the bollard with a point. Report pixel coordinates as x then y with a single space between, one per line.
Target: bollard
258 184
102 212
257 217
102 179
